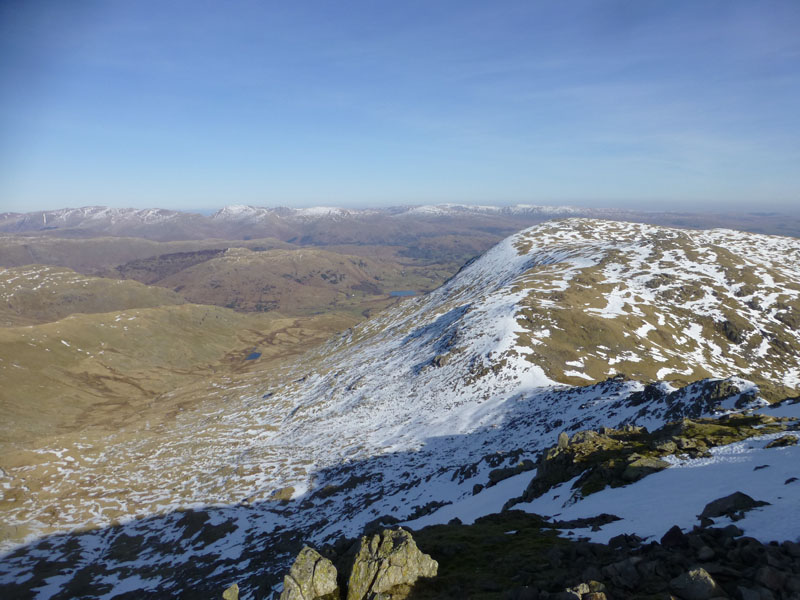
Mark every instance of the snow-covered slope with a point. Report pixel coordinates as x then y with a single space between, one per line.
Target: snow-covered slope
413 409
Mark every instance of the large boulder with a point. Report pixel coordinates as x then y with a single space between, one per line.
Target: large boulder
387 565
730 505
312 577
696 584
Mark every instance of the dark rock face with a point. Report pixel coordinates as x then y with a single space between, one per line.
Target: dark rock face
675 538
498 475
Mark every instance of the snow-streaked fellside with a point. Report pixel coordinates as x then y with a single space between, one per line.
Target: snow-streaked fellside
409 410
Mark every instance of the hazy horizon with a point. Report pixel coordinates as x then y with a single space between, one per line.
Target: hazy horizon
687 106
793 211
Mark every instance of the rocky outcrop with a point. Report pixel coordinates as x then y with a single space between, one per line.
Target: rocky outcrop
616 457
387 565
698 398
312 577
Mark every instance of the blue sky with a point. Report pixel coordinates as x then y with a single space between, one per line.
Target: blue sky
194 105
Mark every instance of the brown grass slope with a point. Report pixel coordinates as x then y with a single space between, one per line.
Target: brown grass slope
100 255
298 282
40 294
110 370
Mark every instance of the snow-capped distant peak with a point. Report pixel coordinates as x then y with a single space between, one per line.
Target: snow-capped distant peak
516 209
237 211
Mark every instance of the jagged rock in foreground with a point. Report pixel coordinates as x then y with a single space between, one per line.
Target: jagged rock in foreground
312 577
387 565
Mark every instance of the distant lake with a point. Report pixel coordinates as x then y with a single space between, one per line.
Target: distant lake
404 293
253 355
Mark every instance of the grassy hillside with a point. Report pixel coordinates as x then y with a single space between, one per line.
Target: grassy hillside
104 370
40 294
100 255
298 282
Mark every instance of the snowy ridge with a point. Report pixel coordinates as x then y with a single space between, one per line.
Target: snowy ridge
78 217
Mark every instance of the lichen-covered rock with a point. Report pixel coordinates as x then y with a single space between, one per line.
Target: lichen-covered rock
782 442
312 577
387 565
232 593
641 466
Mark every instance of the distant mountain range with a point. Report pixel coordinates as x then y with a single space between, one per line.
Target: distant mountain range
319 225
332 225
